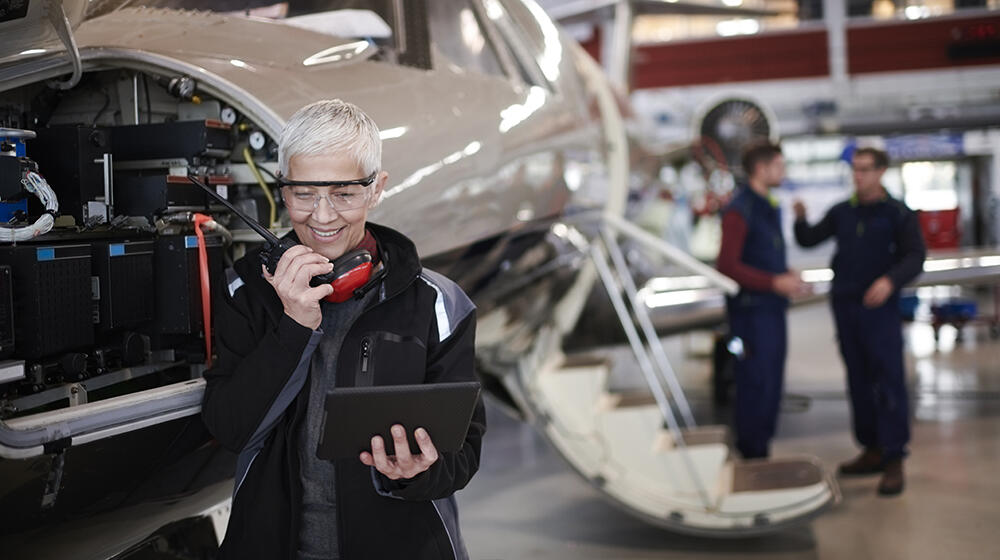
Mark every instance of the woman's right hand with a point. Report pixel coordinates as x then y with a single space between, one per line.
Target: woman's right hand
291 282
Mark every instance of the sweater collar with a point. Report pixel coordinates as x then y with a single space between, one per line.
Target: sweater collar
368 244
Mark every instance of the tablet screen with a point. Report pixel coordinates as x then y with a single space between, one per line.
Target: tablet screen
353 415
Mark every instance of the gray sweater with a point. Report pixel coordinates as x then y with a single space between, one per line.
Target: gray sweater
318 530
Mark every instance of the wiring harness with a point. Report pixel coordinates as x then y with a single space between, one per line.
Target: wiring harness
37 185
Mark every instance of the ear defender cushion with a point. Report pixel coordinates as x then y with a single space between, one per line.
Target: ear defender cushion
351 271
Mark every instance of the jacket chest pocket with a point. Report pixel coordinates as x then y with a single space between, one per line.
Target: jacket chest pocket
387 358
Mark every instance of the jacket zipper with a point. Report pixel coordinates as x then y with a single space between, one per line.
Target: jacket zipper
381 299
366 354
340 535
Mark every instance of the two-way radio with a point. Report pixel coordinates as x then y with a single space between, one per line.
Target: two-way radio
351 271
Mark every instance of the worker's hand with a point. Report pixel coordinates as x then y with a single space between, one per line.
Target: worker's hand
403 464
878 292
291 282
799 209
788 284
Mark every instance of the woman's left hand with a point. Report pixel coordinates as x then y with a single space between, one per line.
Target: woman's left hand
403 464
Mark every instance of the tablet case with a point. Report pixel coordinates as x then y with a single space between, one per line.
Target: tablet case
353 415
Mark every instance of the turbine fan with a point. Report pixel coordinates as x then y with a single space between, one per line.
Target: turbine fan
727 129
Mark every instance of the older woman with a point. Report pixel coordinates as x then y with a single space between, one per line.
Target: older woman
282 345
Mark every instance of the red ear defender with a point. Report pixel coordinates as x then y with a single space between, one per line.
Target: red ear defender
351 271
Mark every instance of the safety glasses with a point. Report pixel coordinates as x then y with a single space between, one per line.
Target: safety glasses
304 196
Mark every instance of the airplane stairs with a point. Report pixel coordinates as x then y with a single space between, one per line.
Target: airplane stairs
644 450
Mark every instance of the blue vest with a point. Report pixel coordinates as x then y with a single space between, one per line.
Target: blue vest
764 248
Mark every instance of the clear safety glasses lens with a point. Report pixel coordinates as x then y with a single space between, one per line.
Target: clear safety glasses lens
304 199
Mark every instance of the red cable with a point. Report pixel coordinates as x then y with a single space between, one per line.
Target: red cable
206 296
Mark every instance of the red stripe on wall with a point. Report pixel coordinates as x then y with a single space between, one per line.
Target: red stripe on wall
915 45
733 59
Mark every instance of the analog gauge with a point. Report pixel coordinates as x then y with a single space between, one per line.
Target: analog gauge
257 140
228 115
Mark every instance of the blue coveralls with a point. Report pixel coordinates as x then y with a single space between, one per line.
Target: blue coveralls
758 319
882 238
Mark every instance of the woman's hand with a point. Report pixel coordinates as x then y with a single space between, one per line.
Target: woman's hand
291 282
403 464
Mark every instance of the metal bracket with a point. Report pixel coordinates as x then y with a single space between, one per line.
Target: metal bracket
77 394
53 481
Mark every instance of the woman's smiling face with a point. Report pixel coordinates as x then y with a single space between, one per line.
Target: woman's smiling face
325 230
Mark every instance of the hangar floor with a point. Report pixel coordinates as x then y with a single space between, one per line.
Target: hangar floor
527 503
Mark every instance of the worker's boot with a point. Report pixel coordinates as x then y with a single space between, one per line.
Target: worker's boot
869 462
892 480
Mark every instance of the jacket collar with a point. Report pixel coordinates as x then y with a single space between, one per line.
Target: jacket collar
855 201
399 257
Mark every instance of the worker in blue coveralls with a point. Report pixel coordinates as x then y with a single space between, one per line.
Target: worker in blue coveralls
753 254
879 250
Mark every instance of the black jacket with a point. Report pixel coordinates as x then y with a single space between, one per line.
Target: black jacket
882 238
420 329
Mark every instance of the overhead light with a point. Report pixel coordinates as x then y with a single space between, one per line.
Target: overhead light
732 3
733 27
883 9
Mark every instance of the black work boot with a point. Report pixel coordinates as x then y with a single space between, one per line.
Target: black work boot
869 462
892 480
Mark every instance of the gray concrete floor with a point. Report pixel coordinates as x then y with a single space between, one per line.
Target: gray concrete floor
526 502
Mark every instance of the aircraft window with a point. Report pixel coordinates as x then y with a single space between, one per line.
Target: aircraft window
404 46
516 39
456 32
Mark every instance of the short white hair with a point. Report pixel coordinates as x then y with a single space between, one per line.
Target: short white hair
333 127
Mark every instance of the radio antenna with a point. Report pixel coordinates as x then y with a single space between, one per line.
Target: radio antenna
261 230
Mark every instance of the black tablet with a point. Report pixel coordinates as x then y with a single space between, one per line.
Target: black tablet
354 414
